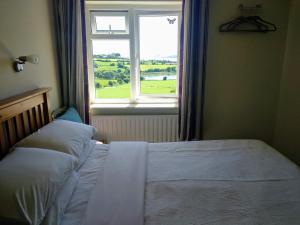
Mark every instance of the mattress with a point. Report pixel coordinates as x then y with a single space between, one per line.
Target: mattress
239 182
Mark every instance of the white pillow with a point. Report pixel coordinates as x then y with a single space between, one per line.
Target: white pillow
30 180
61 135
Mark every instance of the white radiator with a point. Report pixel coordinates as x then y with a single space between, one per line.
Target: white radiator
150 128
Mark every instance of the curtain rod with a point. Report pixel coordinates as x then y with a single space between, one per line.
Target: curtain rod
134 2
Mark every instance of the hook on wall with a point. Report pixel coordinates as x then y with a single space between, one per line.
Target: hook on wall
247 10
256 7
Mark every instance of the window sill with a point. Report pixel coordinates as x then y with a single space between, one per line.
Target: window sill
134 109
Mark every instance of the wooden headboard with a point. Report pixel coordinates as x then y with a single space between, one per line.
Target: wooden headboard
22 115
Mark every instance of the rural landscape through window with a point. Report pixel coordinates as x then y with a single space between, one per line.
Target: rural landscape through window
158 54
111 68
156 63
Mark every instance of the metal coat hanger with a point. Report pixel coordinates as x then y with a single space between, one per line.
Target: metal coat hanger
248 23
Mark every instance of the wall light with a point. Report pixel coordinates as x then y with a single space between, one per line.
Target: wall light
18 63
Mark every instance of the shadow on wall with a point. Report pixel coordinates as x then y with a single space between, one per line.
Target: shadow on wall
6 56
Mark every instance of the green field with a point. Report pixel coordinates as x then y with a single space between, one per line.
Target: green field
107 64
122 91
112 76
147 87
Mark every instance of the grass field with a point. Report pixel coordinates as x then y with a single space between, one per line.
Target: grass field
158 86
112 77
111 65
121 91
147 87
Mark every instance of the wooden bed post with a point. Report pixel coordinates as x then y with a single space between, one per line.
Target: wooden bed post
22 115
47 107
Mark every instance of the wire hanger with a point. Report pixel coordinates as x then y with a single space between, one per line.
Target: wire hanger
248 23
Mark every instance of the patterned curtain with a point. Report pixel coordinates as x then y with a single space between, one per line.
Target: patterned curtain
192 68
69 16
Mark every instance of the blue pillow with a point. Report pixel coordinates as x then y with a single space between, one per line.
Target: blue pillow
72 115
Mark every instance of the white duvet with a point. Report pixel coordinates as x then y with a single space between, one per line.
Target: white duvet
236 182
221 183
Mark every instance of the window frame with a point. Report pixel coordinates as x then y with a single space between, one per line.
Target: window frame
156 13
108 13
135 9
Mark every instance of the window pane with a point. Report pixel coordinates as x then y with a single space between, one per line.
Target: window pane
158 54
110 23
111 63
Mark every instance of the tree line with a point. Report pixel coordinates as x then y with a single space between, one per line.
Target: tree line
120 74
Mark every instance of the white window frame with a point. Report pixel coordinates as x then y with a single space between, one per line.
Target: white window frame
94 14
135 9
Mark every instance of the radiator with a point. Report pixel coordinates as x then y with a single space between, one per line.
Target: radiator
150 128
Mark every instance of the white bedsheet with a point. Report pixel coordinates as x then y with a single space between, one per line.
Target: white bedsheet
118 197
240 182
88 174
221 183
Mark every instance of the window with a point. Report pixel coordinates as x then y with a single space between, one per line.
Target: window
109 22
158 41
133 52
111 63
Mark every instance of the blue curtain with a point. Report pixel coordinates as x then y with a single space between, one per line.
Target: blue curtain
69 16
192 68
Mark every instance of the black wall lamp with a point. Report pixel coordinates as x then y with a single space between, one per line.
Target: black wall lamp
19 62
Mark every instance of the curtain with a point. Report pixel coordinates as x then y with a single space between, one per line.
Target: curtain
192 68
69 17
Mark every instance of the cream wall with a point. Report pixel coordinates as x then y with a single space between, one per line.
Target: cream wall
287 132
25 28
243 73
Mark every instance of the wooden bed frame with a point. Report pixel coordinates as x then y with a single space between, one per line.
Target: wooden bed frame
22 115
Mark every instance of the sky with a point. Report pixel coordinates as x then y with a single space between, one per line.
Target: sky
158 39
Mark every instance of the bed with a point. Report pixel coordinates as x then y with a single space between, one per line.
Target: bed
241 182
